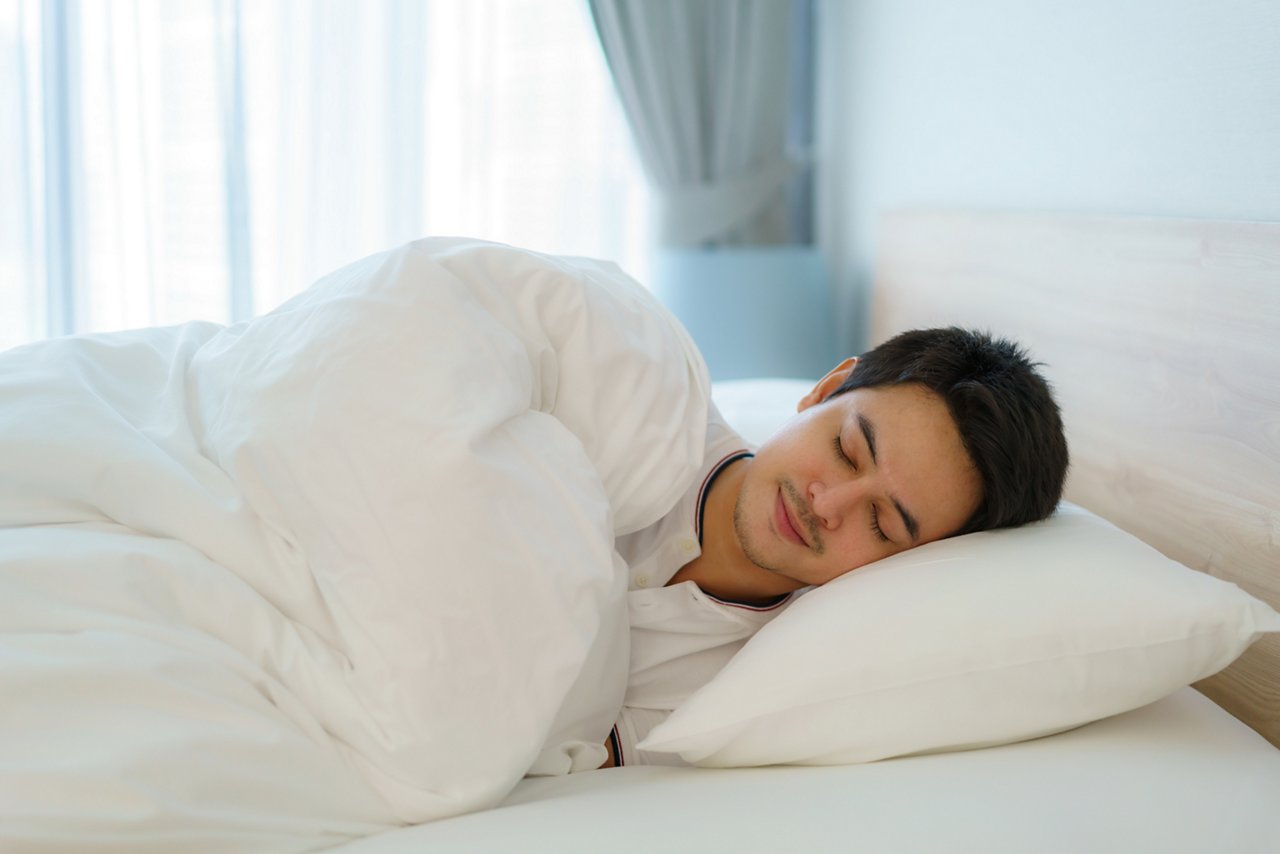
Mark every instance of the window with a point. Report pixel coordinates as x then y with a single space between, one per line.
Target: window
181 159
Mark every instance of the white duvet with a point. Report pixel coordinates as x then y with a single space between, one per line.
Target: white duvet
346 566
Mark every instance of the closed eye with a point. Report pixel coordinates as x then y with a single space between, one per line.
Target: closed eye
875 526
844 458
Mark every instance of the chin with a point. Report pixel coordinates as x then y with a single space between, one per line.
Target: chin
759 543
749 541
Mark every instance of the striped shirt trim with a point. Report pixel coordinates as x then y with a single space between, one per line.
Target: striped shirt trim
706 487
617 747
697 526
777 603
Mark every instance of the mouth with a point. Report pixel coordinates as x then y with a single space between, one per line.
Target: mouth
783 522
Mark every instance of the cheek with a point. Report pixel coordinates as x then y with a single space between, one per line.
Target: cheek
800 461
753 507
857 545
853 549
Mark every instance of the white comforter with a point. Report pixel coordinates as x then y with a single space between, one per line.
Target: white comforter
346 566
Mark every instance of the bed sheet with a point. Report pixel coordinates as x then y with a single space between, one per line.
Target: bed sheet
1179 775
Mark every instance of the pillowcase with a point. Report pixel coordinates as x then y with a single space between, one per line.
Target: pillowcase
974 641
758 408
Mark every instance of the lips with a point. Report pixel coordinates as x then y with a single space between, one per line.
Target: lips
782 520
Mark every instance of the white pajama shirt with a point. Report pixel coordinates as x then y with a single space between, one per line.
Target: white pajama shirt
680 636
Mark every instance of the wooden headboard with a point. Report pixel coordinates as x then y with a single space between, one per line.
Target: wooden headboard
1162 340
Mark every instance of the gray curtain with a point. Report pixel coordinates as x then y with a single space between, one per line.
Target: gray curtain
705 86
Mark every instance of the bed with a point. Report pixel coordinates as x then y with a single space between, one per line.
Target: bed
1163 340
1159 335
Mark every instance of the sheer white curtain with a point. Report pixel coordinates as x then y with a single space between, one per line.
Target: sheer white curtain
163 160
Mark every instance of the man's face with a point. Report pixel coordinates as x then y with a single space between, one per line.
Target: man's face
854 479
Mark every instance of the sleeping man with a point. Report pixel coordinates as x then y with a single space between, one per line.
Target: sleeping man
934 433
425 529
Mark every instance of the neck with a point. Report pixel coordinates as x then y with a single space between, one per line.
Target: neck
723 569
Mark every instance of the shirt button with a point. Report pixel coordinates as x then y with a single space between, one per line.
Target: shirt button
642 580
687 546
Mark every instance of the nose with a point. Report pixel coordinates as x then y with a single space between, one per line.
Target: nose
833 502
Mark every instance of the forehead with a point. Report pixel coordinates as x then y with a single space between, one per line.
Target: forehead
909 406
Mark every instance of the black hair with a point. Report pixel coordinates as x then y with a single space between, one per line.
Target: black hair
1003 408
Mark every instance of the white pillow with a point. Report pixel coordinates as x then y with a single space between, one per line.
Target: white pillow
970 642
758 408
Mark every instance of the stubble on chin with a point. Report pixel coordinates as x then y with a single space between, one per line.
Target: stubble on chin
742 530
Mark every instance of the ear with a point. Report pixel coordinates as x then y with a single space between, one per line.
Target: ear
828 384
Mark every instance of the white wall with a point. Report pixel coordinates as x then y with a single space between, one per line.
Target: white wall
1149 107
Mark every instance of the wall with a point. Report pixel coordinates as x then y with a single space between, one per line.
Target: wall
1147 107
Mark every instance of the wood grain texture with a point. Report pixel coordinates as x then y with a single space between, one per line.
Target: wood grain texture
1162 340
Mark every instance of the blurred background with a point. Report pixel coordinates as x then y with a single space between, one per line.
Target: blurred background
168 160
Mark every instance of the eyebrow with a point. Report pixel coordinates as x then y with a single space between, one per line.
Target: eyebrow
913 527
869 433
